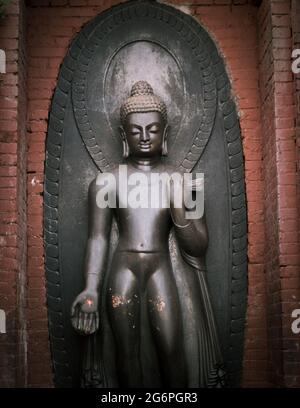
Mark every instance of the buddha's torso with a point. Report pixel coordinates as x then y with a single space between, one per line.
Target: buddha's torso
143 229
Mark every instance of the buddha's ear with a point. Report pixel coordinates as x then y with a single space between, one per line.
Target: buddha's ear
122 132
164 151
124 142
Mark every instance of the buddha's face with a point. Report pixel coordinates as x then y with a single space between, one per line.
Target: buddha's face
145 133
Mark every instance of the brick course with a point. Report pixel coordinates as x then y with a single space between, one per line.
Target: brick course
13 109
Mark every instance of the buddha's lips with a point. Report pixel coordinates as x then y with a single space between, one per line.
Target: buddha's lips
145 145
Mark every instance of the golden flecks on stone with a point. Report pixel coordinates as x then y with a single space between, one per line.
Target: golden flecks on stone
118 300
158 303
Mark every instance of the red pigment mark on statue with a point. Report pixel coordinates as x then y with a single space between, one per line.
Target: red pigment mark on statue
89 302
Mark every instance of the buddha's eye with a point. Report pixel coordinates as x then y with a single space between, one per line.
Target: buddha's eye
154 129
134 132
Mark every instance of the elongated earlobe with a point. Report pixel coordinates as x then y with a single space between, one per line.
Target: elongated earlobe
124 142
125 149
164 150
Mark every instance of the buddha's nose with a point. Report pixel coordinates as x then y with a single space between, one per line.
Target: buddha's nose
144 136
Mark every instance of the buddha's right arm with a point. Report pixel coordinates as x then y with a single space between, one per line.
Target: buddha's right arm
100 220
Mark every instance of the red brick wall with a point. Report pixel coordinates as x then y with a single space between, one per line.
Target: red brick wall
296 45
279 157
13 197
270 185
287 222
256 44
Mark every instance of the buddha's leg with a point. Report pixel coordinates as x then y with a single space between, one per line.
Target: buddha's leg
124 317
166 323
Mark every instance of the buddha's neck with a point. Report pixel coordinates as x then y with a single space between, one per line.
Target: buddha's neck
144 164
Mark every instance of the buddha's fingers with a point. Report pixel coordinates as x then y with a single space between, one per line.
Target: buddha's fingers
93 326
85 322
80 321
76 319
73 309
89 321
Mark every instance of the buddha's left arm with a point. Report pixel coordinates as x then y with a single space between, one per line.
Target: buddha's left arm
191 233
189 224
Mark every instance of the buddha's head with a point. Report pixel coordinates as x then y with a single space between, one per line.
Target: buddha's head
144 123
